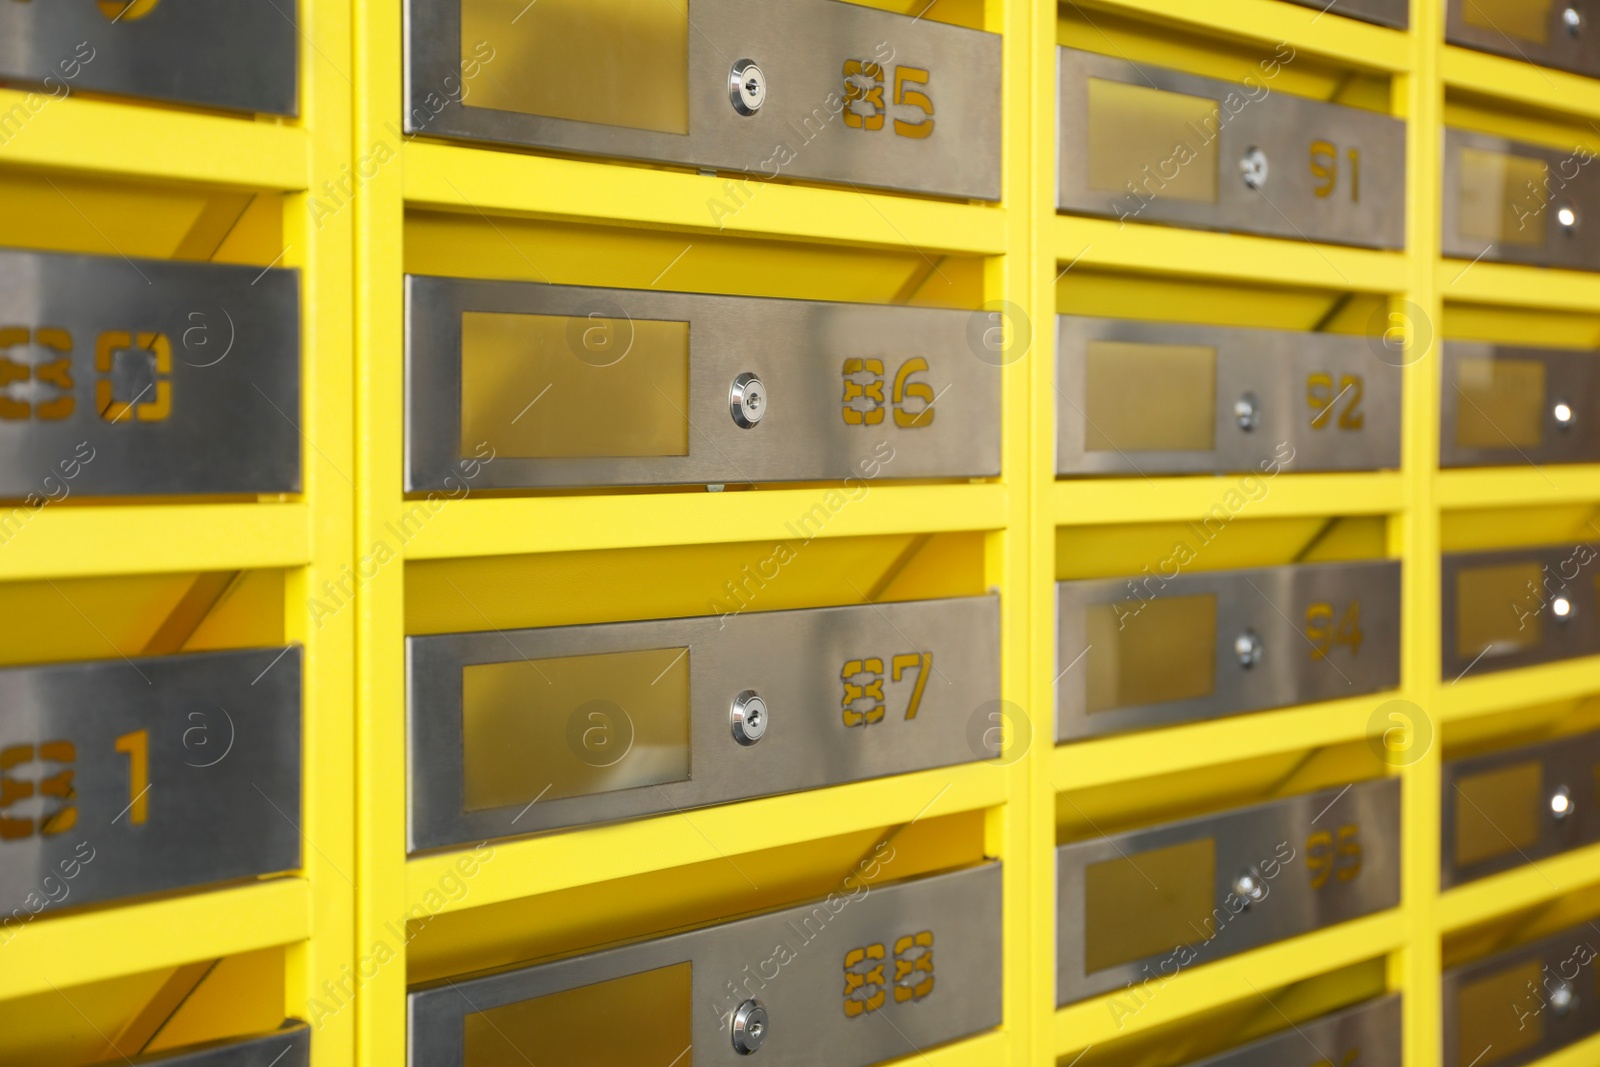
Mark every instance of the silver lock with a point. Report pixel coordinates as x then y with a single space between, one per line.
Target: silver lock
1561 608
1562 998
1563 415
1247 412
1567 218
1561 802
1248 888
1572 21
748 716
1247 648
747 87
749 1027
747 398
1253 168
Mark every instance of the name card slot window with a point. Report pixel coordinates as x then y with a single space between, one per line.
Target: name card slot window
1139 398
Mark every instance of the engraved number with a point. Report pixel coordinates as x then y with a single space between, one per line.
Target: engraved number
15 789
865 988
1323 634
1334 855
904 76
863 703
863 398
136 746
863 98
1324 399
1325 169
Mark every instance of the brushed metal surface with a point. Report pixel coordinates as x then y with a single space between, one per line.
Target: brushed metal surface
288 1047
1570 763
1565 49
801 46
797 348
241 55
1395 14
1568 955
1570 377
1568 572
1271 602
1245 840
962 909
222 798
230 337
1282 126
1573 184
1274 366
794 659
1367 1035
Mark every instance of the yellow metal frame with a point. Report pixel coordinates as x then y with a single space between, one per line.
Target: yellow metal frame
357 887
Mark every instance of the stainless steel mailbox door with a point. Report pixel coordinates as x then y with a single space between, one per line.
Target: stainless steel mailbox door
240 55
1392 13
1523 1004
1505 406
567 386
1155 650
774 88
1144 144
1516 807
1146 398
128 777
1144 906
289 1047
870 974
1367 1035
616 720
1560 35
142 377
1511 202
1518 607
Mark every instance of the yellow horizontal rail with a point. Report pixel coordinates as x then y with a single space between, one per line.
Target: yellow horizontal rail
566 524
71 950
1584 1054
1270 21
1524 887
984 1051
1106 244
494 182
1518 82
1524 687
1108 501
67 541
1131 757
1517 486
1507 285
532 866
139 141
1244 977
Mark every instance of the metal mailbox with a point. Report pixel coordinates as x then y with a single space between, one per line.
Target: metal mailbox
1367 1034
288 1047
1510 202
1521 1005
1506 405
1518 607
1146 905
867 975
1141 143
141 377
1157 649
564 386
1395 14
527 730
1516 807
773 89
1560 35
1144 398
240 55
126 777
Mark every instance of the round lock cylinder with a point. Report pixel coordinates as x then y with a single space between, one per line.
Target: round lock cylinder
1248 887
1253 168
1247 412
747 87
1572 21
1561 607
748 717
749 1027
747 399
1561 803
1563 998
1567 219
1563 414
1247 648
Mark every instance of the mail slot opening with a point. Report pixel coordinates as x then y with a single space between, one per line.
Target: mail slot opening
612 62
638 1018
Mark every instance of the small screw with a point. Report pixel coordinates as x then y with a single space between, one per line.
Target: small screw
749 1027
1247 412
1253 168
747 87
748 717
1247 647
